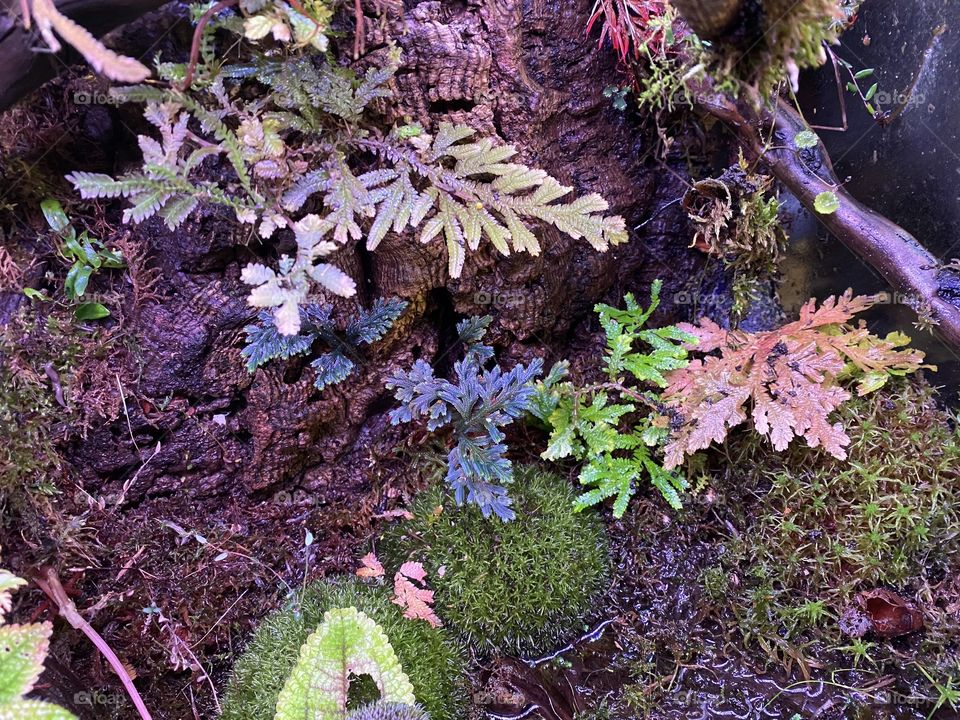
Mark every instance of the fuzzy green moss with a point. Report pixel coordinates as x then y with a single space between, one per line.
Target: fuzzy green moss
814 531
29 411
435 665
517 587
789 37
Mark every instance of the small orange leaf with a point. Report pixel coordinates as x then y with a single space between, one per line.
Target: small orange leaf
417 601
370 567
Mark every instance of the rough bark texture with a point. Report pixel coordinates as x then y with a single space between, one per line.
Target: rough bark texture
197 445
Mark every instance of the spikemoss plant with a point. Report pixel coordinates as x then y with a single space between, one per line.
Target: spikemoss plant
516 587
434 664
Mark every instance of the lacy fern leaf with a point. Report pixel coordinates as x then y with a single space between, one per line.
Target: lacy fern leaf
586 423
265 343
475 407
463 205
788 380
347 643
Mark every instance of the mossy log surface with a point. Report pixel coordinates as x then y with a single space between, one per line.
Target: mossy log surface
189 441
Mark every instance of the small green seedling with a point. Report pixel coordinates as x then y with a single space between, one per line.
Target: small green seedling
827 203
87 256
618 95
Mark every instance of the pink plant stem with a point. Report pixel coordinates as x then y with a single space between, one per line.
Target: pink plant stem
50 584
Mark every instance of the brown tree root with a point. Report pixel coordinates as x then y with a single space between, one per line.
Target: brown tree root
768 136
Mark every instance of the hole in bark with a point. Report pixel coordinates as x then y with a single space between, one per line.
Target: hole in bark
293 373
444 107
442 314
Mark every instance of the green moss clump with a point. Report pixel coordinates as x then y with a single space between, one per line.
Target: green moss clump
435 665
788 37
29 412
516 587
821 530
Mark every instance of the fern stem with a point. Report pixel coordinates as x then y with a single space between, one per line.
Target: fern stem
50 584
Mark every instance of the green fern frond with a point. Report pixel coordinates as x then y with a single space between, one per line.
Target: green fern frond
464 204
625 330
585 425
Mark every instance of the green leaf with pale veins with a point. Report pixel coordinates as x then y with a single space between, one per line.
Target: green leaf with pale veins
347 643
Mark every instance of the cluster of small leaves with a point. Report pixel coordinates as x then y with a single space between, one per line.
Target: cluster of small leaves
286 24
266 341
790 378
590 423
474 406
736 219
86 255
23 649
303 135
347 644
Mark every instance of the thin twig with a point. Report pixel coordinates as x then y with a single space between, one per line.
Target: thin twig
50 584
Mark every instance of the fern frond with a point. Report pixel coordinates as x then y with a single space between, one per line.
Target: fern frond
476 406
788 380
266 343
99 185
103 60
313 182
464 204
332 368
371 325
586 425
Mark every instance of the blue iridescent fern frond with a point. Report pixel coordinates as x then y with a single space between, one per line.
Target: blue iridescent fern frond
266 343
475 407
